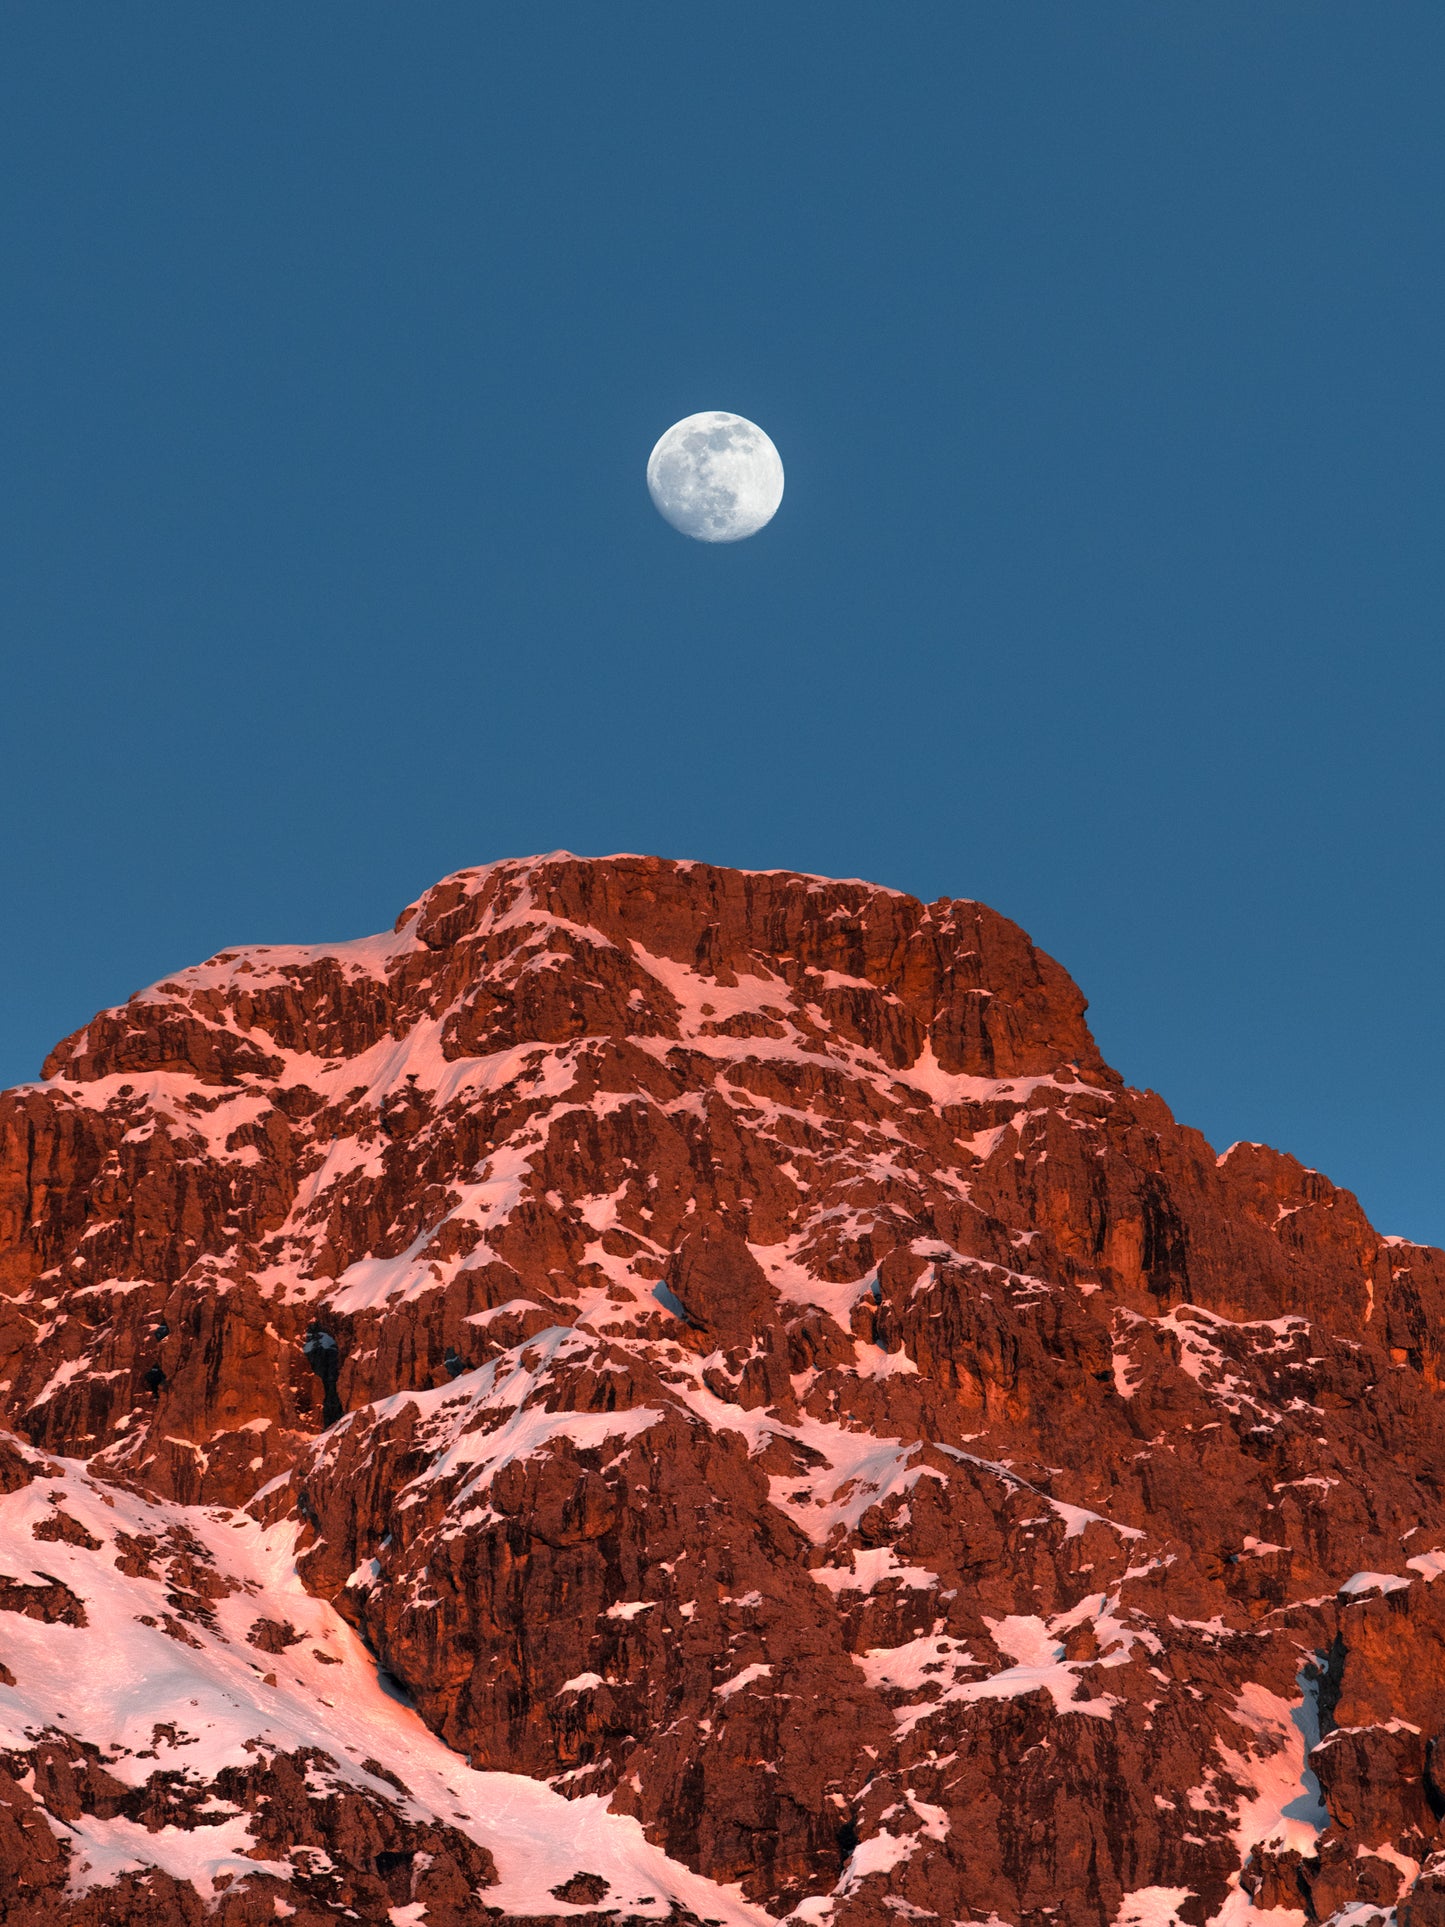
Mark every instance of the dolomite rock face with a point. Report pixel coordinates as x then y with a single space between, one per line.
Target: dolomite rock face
655 1392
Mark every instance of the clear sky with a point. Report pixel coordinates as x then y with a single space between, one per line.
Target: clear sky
1102 346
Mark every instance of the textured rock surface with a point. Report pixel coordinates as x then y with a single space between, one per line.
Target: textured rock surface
797 1403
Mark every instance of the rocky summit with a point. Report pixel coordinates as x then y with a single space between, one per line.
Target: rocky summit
658 1393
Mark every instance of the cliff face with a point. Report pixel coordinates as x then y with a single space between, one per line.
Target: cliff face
757 1415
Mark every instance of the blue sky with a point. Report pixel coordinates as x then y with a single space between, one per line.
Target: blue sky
1103 350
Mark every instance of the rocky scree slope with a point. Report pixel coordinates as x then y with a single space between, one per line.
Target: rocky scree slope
656 1392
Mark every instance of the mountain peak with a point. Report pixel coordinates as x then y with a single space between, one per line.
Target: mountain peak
718 1355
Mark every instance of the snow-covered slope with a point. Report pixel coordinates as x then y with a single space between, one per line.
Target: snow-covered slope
171 1655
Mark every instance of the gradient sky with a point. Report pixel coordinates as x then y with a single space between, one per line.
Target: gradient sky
1102 345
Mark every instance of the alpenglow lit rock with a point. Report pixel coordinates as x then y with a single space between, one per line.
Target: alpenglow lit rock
694 1394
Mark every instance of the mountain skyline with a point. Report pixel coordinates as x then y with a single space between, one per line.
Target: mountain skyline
722 1358
1101 349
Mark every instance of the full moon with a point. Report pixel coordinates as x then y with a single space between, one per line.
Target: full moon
715 477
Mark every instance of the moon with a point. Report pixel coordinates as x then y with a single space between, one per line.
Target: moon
715 477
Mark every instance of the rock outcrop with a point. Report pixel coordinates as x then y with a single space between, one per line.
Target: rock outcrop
760 1420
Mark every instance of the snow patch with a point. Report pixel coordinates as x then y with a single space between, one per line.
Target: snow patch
1152 1907
745 1678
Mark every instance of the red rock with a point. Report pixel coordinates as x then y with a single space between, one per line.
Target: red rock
793 1389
